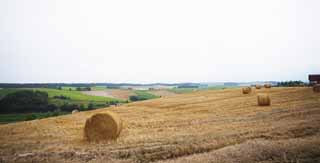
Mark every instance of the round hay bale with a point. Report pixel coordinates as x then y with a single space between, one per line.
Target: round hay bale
263 100
75 111
316 88
258 86
267 85
102 127
246 90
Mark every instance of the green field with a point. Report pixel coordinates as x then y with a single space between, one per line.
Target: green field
76 97
182 90
221 87
9 118
69 88
144 94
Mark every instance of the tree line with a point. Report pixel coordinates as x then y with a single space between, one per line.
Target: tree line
290 83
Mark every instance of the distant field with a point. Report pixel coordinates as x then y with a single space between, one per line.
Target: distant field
221 87
162 92
123 94
182 90
112 93
145 94
69 88
98 97
76 97
9 118
95 88
98 88
189 90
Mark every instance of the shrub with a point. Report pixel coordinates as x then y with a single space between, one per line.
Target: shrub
135 98
90 106
62 97
68 107
30 117
82 108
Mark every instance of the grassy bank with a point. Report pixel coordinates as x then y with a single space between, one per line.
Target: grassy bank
9 118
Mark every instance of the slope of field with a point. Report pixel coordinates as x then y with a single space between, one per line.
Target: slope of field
203 126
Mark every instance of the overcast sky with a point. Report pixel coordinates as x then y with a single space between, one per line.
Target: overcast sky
158 41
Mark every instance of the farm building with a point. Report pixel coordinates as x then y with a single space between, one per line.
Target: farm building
314 78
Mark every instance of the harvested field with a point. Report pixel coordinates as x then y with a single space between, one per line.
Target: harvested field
114 93
203 126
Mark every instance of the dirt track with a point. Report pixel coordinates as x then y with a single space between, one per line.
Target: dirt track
205 126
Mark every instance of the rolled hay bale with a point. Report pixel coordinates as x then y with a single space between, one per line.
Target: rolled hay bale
75 111
267 85
102 127
316 88
258 86
263 99
246 90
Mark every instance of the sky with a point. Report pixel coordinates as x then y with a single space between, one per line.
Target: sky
147 41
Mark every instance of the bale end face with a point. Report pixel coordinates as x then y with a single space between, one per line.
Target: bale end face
316 88
263 100
102 127
246 90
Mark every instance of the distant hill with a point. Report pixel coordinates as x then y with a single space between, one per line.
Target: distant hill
119 85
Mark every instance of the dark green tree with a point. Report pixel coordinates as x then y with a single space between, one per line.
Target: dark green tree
25 101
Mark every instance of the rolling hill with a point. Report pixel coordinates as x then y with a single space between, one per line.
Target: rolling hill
202 126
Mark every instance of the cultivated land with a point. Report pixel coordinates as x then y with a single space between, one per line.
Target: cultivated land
124 94
76 97
203 126
113 93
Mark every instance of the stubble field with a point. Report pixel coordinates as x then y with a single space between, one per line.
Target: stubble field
203 126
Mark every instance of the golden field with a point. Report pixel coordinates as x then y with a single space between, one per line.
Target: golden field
204 126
